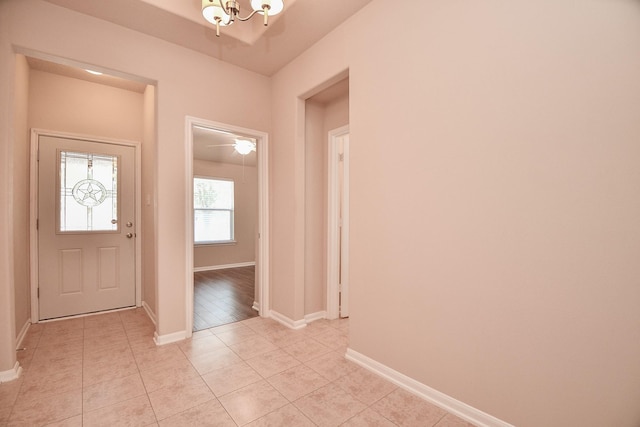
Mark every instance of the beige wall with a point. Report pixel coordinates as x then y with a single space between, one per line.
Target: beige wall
494 205
336 113
315 208
76 106
183 88
245 215
21 196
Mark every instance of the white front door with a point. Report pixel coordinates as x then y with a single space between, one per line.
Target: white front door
86 230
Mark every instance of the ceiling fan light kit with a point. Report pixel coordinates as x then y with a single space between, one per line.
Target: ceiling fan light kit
226 12
244 147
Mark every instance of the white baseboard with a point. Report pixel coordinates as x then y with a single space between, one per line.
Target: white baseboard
222 267
150 312
256 306
293 324
169 338
448 403
11 374
22 334
315 316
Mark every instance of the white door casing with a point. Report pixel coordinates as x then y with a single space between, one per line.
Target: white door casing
338 224
86 231
344 229
262 250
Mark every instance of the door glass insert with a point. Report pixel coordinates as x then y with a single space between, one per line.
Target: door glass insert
88 192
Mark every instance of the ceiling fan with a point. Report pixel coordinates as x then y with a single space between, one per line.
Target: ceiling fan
242 146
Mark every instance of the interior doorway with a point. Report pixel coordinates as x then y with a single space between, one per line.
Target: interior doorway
326 198
120 109
228 217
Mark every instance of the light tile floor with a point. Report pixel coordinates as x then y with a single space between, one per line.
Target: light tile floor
105 370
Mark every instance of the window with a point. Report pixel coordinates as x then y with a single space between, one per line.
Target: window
213 210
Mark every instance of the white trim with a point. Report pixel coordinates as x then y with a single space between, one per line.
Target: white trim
344 239
256 306
262 261
33 229
315 316
333 220
188 224
170 338
448 403
150 312
11 374
281 318
138 228
33 210
22 334
224 266
264 239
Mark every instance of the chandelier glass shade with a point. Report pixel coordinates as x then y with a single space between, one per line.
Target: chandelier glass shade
225 12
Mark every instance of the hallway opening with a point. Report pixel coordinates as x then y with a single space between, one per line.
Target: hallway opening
223 296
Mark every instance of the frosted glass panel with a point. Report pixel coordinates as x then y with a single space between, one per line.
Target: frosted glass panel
88 192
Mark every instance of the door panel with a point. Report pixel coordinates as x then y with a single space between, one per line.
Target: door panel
86 245
70 271
108 268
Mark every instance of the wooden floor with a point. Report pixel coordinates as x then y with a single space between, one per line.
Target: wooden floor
223 296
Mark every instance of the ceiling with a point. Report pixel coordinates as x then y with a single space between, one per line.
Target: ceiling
249 45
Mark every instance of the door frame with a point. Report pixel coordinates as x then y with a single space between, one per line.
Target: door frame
333 218
33 210
262 262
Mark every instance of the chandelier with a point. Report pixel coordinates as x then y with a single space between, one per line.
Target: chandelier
225 12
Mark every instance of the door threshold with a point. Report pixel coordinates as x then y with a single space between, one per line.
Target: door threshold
94 313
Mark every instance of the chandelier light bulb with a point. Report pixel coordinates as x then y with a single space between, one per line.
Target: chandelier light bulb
274 6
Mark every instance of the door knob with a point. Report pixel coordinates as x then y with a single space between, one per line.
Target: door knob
129 235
